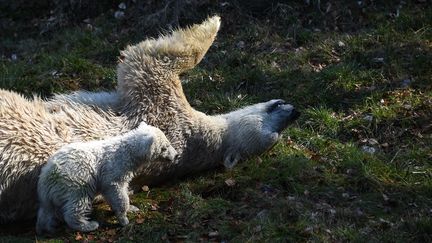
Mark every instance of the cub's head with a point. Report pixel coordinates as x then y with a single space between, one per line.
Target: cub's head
255 129
158 146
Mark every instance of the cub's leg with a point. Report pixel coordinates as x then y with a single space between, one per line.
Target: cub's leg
75 214
117 197
46 220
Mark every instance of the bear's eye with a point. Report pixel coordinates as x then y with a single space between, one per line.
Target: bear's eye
275 105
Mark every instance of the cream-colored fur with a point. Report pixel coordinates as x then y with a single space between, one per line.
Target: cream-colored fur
72 176
149 89
29 134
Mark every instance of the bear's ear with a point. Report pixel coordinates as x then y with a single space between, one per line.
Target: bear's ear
231 159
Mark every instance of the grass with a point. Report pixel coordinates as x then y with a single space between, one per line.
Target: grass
357 165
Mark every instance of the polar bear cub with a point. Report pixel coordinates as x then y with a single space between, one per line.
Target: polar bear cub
78 171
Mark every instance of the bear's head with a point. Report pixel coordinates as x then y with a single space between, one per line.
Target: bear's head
156 144
255 129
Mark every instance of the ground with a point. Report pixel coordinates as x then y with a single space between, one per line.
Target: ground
357 165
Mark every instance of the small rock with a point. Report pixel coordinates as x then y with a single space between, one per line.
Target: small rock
378 60
240 44
89 27
309 229
368 118
350 171
274 65
345 195
258 228
341 44
371 88
372 141
145 188
385 223
198 102
213 234
306 192
267 189
368 149
406 83
407 106
122 6
119 14
263 214
14 57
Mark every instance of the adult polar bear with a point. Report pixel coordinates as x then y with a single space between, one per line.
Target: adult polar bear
149 89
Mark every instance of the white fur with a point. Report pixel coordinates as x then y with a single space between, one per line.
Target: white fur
75 173
149 89
102 100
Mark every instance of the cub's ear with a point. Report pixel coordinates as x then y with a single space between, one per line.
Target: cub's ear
231 159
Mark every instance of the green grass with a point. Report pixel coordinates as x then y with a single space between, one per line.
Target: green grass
366 85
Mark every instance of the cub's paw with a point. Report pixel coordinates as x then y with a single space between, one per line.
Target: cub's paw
89 226
133 209
123 220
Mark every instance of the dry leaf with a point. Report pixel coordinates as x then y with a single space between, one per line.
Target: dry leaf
111 232
139 220
230 182
154 207
78 236
259 160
